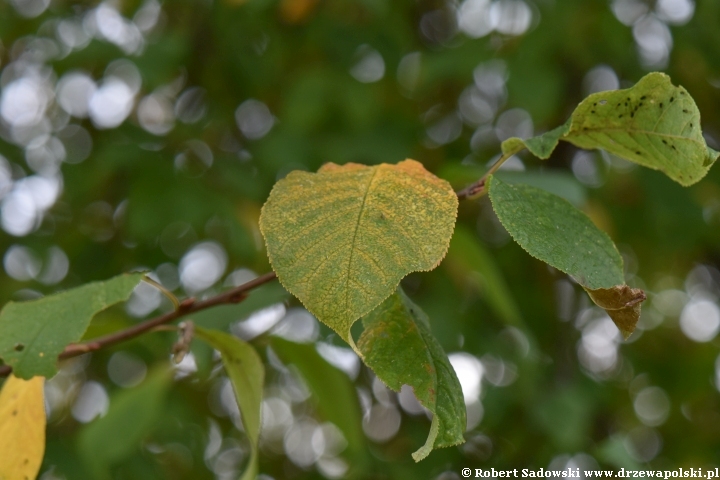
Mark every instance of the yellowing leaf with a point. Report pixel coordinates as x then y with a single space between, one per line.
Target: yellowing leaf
22 428
622 303
342 239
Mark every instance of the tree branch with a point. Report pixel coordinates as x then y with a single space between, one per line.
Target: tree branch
477 189
186 307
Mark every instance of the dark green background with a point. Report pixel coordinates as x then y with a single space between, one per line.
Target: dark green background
132 204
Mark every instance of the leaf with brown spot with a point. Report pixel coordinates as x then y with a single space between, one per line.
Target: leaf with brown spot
342 239
622 303
22 428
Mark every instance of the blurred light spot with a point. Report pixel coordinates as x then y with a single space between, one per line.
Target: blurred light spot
97 221
74 91
126 370
652 406
144 299
56 267
700 319
23 208
381 423
408 401
598 348
6 177
342 358
328 440
30 8
202 266
370 66
445 130
515 122
72 34
600 79
629 11
676 12
125 70
111 104
475 107
475 412
155 114
259 322
176 238
470 372
654 41
44 155
477 447
332 467
91 402
190 107
226 465
490 78
643 444
24 101
77 143
588 169
703 279
473 18
239 277
669 302
299 445
21 263
148 15
298 326
717 373
186 367
277 417
254 119
382 393
439 26
111 26
511 17
195 158
408 71
497 371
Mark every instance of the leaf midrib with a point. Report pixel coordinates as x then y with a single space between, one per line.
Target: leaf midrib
632 130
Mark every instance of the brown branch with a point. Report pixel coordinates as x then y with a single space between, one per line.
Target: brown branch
477 188
188 306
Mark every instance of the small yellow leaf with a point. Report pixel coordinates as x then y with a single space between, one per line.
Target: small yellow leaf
22 428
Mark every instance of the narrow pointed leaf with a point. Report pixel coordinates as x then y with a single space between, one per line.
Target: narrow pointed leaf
653 123
247 375
399 347
342 239
22 427
33 333
550 229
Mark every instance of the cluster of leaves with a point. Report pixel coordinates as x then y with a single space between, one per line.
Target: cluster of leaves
344 248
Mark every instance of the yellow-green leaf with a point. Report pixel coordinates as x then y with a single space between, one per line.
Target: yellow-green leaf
400 348
247 374
22 428
653 123
33 333
342 239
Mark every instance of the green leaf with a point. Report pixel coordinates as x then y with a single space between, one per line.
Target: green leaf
132 415
550 229
541 146
247 375
398 346
342 239
337 400
653 123
34 333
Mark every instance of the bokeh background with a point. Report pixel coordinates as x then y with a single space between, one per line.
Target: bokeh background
140 134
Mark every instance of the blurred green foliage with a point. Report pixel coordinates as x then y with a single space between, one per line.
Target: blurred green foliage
224 98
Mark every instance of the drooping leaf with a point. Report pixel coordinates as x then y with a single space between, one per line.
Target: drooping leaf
550 229
132 415
342 239
653 123
22 428
247 375
337 400
399 347
33 333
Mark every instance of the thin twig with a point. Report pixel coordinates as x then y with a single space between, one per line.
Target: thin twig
477 189
187 306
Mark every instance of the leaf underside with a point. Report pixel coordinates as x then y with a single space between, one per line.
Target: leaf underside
398 346
550 229
34 333
342 239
